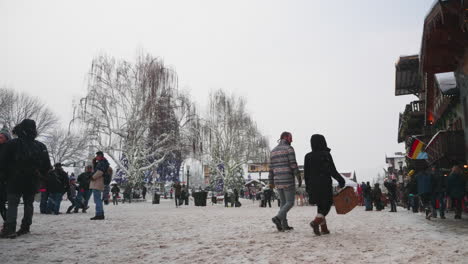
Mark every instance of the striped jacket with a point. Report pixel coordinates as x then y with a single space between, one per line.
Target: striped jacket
283 165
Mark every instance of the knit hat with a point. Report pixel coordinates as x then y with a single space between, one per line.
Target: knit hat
6 133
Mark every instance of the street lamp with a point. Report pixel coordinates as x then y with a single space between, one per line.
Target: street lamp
188 189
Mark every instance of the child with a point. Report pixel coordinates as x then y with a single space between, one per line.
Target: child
115 194
71 195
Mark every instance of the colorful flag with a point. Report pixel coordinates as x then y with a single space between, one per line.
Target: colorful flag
415 151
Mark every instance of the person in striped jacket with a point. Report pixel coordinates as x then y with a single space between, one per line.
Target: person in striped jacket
283 168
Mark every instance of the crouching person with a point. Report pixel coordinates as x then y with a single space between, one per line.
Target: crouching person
24 161
97 184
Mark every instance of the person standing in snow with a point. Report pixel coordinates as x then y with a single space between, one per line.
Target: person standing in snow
83 192
456 189
283 168
23 162
71 194
424 188
177 192
377 196
4 137
97 184
392 194
439 188
319 169
115 194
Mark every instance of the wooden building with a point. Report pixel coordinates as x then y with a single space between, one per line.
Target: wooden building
438 76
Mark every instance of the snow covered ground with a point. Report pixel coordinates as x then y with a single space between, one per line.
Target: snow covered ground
146 233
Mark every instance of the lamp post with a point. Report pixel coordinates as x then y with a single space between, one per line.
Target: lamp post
188 189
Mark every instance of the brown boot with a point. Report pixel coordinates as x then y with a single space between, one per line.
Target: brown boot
324 228
315 225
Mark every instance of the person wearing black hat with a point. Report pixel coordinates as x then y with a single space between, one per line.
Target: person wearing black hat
23 162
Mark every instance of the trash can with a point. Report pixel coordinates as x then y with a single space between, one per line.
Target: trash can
156 198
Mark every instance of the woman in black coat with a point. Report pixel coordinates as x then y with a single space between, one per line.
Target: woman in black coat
318 172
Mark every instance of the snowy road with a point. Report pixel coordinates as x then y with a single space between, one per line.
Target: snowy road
146 233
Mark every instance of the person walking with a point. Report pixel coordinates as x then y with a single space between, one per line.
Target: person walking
268 195
57 185
424 188
115 194
4 138
71 195
127 193
84 193
97 184
392 194
319 169
367 193
23 162
283 168
439 189
143 192
177 193
456 189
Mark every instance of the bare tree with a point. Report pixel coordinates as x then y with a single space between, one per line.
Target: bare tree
14 107
231 138
66 147
124 115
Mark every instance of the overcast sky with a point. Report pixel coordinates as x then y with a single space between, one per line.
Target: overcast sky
304 66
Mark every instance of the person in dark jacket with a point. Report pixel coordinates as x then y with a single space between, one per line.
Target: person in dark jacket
392 194
4 137
319 169
84 193
377 197
439 189
115 194
177 192
424 189
57 185
268 195
367 194
456 189
71 195
143 192
23 162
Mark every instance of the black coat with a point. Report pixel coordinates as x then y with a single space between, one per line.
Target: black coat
84 179
57 181
392 188
24 162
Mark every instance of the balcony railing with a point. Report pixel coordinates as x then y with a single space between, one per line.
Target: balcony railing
446 148
411 120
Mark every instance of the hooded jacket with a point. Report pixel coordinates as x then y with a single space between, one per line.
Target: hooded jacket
24 161
319 169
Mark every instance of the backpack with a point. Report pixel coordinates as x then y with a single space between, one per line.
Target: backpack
108 176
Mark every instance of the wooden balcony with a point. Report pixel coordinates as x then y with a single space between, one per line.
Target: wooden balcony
446 148
411 120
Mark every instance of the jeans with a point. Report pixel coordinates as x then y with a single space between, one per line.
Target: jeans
82 198
97 194
12 212
441 198
53 203
286 196
43 204
368 203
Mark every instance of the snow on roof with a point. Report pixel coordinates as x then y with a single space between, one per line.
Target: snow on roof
446 81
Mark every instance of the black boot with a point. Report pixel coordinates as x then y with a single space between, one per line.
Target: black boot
8 231
286 227
23 231
97 217
277 222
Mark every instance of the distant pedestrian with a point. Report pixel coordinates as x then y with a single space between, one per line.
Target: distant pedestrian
392 194
127 193
115 190
72 194
367 194
319 169
439 189
377 197
177 193
57 185
424 188
97 184
143 192
23 162
84 193
283 169
456 189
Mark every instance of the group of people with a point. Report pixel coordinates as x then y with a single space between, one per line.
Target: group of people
25 169
429 188
374 196
319 169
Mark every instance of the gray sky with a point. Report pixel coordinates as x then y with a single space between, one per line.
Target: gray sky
304 66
